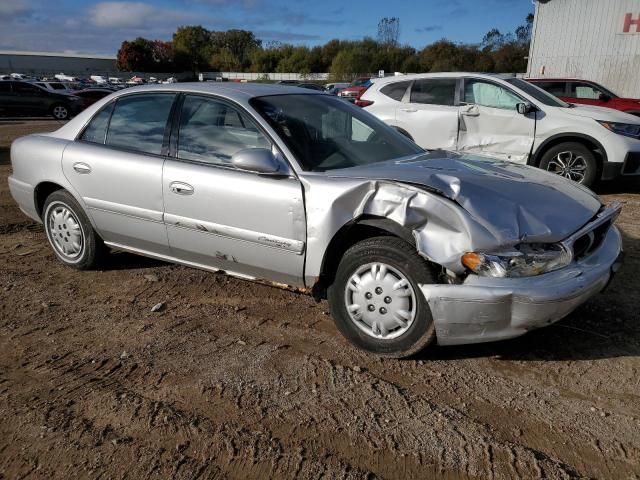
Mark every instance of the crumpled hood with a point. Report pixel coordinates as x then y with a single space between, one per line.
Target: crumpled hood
514 202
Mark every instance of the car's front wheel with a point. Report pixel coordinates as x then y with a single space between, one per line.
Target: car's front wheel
573 161
375 298
60 112
70 233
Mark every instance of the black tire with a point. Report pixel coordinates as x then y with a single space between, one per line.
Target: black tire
92 249
550 163
59 111
404 258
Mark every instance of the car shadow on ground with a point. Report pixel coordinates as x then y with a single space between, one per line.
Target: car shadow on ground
621 185
119 260
607 326
5 156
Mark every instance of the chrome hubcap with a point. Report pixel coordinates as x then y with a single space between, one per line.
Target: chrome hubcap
569 165
65 232
60 112
380 301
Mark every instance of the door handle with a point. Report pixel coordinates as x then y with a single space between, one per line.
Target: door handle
81 167
409 110
181 188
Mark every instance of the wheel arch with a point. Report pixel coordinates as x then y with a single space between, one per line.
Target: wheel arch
588 141
42 191
361 228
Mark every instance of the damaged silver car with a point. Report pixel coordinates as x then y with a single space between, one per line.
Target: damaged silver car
301 189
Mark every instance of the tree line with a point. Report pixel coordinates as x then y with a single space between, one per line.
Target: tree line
196 49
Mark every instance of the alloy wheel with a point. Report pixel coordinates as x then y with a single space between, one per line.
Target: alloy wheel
569 165
60 112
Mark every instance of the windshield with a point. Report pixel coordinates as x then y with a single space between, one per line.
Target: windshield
537 93
326 133
361 82
605 90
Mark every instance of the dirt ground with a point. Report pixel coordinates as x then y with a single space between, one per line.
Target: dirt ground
239 380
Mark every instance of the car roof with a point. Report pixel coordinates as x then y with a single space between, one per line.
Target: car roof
415 76
234 91
557 79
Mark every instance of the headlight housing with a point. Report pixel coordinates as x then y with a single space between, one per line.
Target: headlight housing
627 129
525 260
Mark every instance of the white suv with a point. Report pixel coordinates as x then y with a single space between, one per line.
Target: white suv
508 118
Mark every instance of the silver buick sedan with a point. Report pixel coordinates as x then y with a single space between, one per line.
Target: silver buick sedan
303 190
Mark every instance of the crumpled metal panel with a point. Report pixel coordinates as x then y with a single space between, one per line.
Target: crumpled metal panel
484 309
452 203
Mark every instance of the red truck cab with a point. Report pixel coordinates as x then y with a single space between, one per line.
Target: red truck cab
585 92
355 90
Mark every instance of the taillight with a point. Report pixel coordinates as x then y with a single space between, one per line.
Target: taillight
363 103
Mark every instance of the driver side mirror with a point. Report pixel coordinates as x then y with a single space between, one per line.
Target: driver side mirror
603 97
525 107
257 160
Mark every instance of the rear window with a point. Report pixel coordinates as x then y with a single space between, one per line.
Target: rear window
395 90
436 91
138 122
96 131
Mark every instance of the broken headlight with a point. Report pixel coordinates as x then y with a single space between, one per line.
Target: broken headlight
525 260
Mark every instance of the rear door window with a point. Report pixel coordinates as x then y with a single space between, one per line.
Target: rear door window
395 90
554 88
138 122
434 91
23 88
212 131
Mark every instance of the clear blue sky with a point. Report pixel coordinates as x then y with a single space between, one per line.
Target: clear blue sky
93 26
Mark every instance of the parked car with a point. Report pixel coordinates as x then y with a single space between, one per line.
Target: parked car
27 99
90 96
61 87
355 89
98 79
508 118
587 93
311 86
64 78
305 190
334 88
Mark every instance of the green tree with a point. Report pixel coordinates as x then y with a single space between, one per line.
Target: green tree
192 45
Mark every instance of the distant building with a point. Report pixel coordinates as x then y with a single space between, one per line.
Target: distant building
595 40
46 63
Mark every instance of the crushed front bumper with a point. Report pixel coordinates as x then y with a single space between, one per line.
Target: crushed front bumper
484 309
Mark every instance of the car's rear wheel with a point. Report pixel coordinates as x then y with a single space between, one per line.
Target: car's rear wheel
70 233
60 112
375 299
571 160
